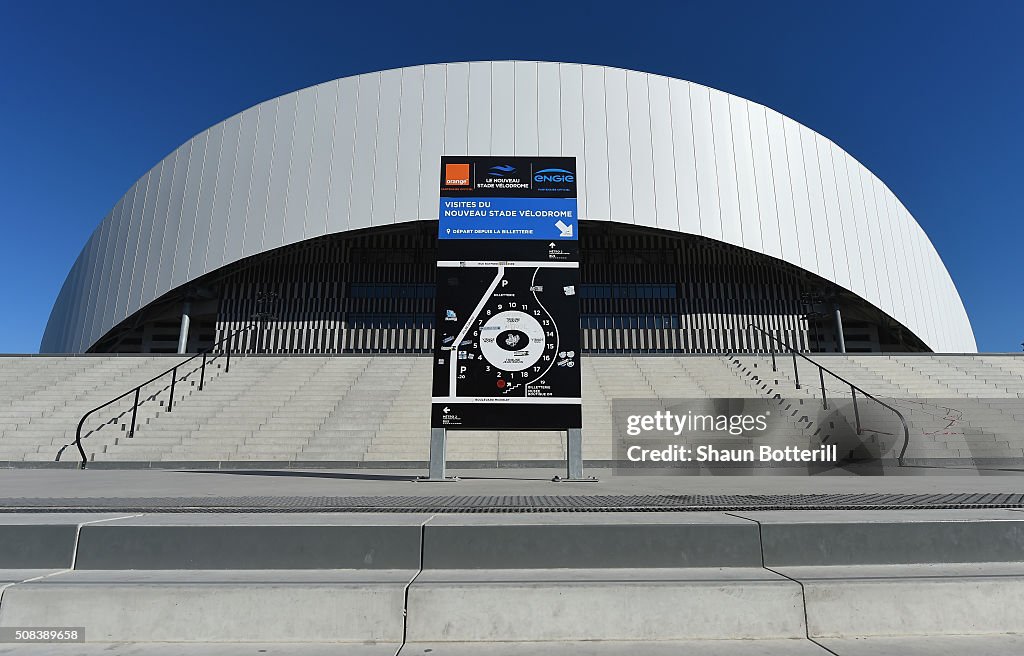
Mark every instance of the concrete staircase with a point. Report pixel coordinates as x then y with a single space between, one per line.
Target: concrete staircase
375 409
772 583
956 406
42 399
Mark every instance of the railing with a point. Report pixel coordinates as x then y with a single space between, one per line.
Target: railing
824 397
207 356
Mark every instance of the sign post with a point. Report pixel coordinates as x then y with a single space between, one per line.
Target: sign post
507 338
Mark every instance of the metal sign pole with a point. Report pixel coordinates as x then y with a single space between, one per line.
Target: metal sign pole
438 442
574 458
574 454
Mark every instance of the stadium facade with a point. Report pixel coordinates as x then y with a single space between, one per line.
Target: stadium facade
701 213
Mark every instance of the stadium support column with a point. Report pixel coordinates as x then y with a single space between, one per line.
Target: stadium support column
186 310
840 338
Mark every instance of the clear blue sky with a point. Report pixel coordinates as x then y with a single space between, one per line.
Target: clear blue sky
928 95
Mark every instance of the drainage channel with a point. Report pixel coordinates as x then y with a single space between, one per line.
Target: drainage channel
517 504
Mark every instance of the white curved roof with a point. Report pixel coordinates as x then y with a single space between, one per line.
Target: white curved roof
364 151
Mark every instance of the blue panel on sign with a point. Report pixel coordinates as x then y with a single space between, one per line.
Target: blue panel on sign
507 218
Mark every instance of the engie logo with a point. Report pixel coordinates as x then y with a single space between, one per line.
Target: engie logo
554 175
456 175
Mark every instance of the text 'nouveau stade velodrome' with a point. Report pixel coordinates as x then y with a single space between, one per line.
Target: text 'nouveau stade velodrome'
701 213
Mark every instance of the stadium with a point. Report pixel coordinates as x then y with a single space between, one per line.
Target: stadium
724 252
702 213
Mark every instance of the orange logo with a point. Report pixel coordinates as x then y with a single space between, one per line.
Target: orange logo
456 175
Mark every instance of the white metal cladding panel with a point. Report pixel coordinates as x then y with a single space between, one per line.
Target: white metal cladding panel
152 231
364 151
93 271
107 298
863 235
662 154
833 213
189 210
805 228
293 223
595 183
526 134
746 180
764 180
572 121
173 233
431 139
816 205
685 174
82 279
79 290
65 331
549 110
320 168
934 318
935 321
131 249
456 109
410 135
885 250
919 283
341 158
361 195
104 301
273 213
255 213
725 169
850 232
223 172
620 170
907 275
503 112
385 161
892 248
151 234
704 160
113 256
241 182
641 149
788 234
479 123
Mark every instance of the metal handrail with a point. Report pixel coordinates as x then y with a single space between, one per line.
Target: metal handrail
824 400
204 354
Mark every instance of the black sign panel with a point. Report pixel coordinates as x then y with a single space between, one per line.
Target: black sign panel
507 345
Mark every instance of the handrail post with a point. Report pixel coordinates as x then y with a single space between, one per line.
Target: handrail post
78 443
202 373
227 367
856 411
906 439
135 410
796 372
772 347
821 377
170 399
